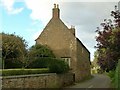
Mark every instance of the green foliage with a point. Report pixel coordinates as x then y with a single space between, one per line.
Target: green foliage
1 62
117 77
111 74
54 65
108 39
13 46
40 62
40 51
58 66
109 52
38 56
94 62
11 72
42 57
13 63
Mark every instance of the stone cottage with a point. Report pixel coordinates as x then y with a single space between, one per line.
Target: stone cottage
64 44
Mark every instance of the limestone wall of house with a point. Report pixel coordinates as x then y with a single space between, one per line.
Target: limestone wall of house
59 39
63 42
83 61
51 80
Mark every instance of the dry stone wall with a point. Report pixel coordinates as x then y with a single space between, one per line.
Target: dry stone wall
50 80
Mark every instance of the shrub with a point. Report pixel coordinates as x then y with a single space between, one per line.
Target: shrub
58 66
40 51
40 62
117 77
11 72
12 63
111 74
55 65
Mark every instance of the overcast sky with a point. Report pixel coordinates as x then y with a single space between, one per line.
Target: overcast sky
28 18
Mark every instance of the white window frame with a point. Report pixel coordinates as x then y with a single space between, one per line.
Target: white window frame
67 60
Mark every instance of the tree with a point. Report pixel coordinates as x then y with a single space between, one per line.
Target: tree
40 51
0 52
94 62
39 56
108 39
42 57
13 50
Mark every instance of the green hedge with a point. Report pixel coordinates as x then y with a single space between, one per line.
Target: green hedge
111 74
58 66
55 65
40 62
11 72
117 76
38 66
12 63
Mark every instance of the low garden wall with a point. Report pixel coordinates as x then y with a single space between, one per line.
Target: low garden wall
50 80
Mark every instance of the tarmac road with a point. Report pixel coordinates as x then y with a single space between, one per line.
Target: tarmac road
98 81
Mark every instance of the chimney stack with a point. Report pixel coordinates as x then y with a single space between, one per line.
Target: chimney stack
56 11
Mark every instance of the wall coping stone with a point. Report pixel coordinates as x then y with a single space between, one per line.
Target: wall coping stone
24 76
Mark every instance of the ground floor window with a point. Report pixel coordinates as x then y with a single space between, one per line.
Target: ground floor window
67 60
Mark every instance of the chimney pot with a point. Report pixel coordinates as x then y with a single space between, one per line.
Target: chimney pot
54 5
57 6
56 11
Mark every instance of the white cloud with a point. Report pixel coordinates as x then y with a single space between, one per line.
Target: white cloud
85 16
41 9
16 11
8 4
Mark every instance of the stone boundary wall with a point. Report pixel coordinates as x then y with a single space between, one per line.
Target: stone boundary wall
50 80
